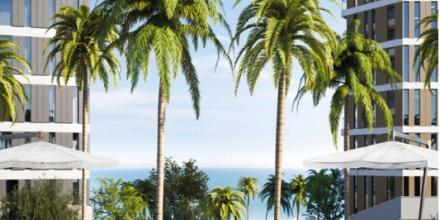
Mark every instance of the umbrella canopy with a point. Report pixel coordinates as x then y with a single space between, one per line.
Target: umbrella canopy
386 155
43 155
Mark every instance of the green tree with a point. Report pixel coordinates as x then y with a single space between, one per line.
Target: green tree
85 52
162 29
298 185
324 190
226 203
281 32
10 88
249 187
268 194
117 200
45 199
426 56
186 188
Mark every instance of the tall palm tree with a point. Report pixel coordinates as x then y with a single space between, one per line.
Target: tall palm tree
249 187
280 32
355 62
226 203
268 194
426 56
85 53
163 30
298 185
10 88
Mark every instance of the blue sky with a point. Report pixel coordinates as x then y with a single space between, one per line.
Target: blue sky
233 132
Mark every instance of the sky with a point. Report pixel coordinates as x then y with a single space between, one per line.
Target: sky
232 132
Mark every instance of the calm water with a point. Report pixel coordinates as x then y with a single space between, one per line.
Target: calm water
217 177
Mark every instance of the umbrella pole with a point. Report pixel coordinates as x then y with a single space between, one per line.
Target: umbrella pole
422 196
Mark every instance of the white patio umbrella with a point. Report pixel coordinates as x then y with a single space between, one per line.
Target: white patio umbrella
43 155
386 155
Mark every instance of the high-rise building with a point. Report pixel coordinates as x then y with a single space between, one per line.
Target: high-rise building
395 25
50 109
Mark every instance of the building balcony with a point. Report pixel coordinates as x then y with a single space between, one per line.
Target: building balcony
400 208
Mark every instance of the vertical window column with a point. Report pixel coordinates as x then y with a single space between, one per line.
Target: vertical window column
27 13
406 63
434 106
406 107
406 19
416 19
391 22
417 107
5 12
373 24
28 102
416 68
52 98
27 49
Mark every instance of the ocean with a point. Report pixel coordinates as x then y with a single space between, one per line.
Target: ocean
217 177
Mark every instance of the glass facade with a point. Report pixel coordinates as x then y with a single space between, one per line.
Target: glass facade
5 12
75 112
416 19
52 98
434 141
433 10
417 107
416 66
405 107
27 13
406 63
27 52
52 9
52 138
434 106
27 103
406 19
391 16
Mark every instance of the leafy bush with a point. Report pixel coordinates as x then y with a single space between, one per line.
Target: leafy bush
44 200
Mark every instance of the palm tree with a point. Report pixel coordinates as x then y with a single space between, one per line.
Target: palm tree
249 187
10 88
298 185
280 32
226 203
86 54
268 194
163 30
426 56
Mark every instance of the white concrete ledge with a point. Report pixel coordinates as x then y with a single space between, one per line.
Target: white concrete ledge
372 5
43 127
26 31
404 129
400 42
41 174
43 80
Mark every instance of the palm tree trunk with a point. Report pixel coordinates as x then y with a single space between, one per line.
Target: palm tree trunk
346 171
85 141
247 208
297 211
279 139
160 154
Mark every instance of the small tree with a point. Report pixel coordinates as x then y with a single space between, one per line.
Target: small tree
117 200
44 200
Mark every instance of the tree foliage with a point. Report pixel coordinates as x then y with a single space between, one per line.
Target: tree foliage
325 195
298 186
426 56
268 193
225 204
45 199
117 200
10 88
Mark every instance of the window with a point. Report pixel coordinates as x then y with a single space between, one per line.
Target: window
5 12
417 186
51 64
433 186
390 99
75 112
373 191
52 9
434 75
373 24
366 24
355 116
434 141
11 185
406 63
27 13
27 103
434 107
52 98
27 140
366 193
75 141
52 138
374 114
391 14
391 187
75 3
416 19
433 10
417 107
405 186
27 54
406 19
373 139
405 107
416 66
6 143
355 194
